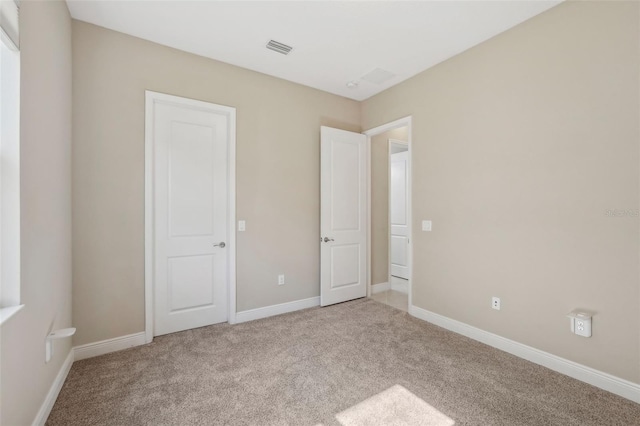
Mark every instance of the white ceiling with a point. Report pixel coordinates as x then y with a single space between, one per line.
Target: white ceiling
334 42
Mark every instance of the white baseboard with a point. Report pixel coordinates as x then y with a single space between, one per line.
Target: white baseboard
52 395
111 345
283 308
613 384
379 288
399 284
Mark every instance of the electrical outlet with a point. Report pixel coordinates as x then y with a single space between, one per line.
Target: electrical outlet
583 327
495 303
281 279
242 225
426 225
581 322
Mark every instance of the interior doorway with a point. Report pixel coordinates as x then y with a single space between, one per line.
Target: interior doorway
398 203
343 218
189 214
390 245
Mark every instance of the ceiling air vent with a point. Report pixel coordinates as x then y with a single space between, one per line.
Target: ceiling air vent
378 76
279 47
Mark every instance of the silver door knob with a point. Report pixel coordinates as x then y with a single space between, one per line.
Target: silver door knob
221 245
327 239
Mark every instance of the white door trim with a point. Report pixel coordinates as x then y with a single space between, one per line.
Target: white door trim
150 99
401 122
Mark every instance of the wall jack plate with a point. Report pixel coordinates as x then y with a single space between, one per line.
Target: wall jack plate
495 303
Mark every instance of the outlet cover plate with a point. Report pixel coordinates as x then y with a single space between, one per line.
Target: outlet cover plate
495 303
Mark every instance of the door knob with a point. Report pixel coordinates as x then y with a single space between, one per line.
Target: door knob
327 239
221 245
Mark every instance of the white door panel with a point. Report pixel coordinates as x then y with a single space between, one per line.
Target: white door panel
190 216
190 282
345 185
342 216
398 196
191 180
398 249
345 259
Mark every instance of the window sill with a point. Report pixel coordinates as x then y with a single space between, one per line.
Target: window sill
7 313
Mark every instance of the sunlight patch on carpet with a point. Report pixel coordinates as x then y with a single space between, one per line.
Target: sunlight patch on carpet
395 406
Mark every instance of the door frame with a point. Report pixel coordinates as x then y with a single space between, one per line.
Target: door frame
150 99
401 122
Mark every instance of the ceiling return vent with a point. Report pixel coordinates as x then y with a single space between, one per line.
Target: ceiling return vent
276 46
378 76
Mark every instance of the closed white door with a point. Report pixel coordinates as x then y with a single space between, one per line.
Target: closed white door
398 209
343 244
190 179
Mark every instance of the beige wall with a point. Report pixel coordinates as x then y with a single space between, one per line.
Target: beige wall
520 146
380 203
278 174
45 127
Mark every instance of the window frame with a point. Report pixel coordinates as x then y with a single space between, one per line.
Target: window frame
10 295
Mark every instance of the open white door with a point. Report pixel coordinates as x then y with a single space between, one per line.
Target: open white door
343 245
398 200
189 141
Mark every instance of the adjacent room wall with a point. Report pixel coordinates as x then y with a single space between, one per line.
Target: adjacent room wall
278 174
520 147
45 126
380 203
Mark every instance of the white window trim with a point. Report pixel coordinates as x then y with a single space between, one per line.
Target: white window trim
7 313
10 23
10 297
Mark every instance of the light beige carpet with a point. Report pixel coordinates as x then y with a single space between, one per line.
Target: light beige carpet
357 363
394 406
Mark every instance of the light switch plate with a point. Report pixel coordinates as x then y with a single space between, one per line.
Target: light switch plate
426 225
242 226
